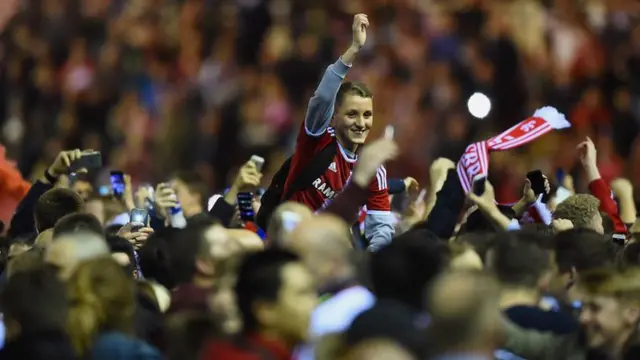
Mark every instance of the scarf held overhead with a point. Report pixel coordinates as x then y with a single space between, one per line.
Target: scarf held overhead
475 160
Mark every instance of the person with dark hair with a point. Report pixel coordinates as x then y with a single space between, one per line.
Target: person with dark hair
123 253
577 251
275 296
35 308
402 270
525 271
214 244
191 191
78 222
53 205
37 212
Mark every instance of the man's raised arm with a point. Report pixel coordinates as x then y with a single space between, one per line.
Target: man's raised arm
322 103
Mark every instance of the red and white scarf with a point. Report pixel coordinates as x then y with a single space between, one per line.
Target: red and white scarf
475 160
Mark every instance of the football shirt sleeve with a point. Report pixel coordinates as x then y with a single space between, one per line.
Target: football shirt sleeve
379 224
322 103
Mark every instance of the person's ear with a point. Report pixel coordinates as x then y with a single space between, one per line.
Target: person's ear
265 314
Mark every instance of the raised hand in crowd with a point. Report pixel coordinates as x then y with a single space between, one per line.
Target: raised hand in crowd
373 155
165 199
137 234
437 176
411 185
560 225
623 190
127 196
247 180
487 204
529 196
359 29
589 159
62 163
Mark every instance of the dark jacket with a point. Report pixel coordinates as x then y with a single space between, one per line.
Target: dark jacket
534 318
445 213
45 345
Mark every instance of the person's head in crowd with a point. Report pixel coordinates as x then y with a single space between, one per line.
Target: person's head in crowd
215 245
284 220
77 222
393 321
53 205
353 115
69 250
33 302
222 300
464 314
27 261
577 251
82 185
95 206
464 257
113 208
20 245
191 191
102 300
480 242
523 268
246 240
378 349
402 270
582 210
155 259
275 296
44 238
324 244
610 309
123 253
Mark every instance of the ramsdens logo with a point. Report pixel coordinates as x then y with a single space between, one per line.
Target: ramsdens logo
325 189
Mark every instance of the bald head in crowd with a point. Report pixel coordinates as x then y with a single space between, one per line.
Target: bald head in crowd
69 250
284 219
464 311
324 242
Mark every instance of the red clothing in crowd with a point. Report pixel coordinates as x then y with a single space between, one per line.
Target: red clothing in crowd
253 347
601 190
335 177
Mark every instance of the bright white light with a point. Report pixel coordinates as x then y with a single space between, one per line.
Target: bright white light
479 105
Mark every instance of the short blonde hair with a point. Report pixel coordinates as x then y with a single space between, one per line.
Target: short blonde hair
580 209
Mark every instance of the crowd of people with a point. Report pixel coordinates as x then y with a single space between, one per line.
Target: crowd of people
335 259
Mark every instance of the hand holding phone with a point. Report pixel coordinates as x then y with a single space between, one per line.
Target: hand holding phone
539 184
479 185
88 160
258 161
140 217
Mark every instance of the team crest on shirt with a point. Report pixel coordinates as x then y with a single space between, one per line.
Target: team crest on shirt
333 167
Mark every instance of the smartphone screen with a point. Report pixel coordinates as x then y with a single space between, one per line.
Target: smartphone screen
140 216
117 183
